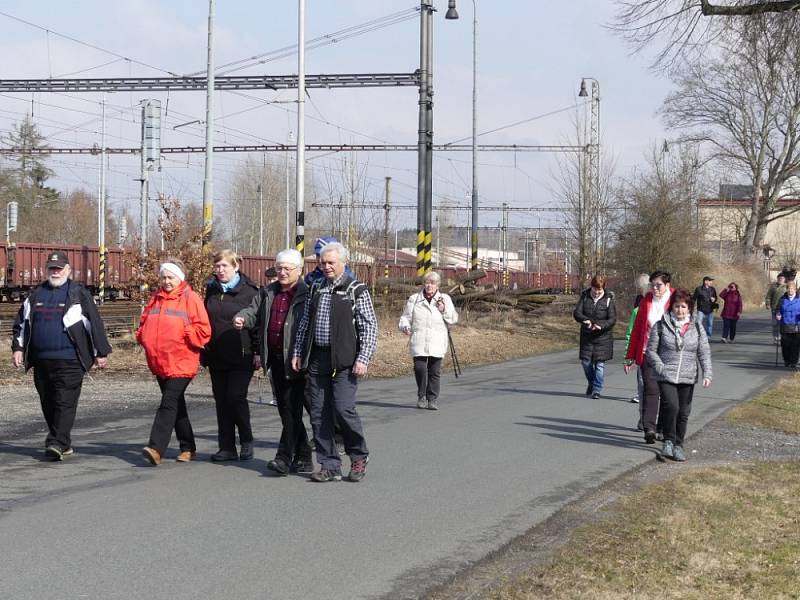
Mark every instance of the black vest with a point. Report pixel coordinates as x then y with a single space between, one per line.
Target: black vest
344 337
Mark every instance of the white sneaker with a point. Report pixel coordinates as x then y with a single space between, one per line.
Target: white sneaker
724 340
635 400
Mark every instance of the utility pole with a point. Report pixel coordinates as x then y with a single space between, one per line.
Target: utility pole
288 213
150 153
386 208
425 139
101 206
208 183
260 220
300 161
474 227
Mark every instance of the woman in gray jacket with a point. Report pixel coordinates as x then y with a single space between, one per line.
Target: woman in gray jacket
677 343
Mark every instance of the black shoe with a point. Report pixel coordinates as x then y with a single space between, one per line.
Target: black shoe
595 395
68 451
358 469
301 466
224 455
54 453
279 466
649 437
246 453
326 475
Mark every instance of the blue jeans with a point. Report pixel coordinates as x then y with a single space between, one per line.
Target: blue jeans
707 321
595 373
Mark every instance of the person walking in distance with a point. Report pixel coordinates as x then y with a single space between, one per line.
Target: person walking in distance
173 329
336 339
788 315
771 302
731 312
676 345
597 314
59 333
231 355
705 299
651 309
275 312
426 318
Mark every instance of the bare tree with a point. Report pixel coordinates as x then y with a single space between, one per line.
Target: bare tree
683 28
745 108
661 227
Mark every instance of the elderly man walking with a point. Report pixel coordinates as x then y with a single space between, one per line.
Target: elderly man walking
59 333
336 338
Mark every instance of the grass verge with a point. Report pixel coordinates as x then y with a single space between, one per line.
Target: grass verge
776 408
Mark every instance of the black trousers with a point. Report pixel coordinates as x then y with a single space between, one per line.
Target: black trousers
290 394
676 405
427 371
333 400
172 414
58 383
790 346
729 328
233 412
650 402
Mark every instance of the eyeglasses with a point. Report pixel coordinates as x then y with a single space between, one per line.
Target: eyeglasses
657 285
285 269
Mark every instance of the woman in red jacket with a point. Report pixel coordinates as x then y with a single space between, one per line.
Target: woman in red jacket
173 330
731 312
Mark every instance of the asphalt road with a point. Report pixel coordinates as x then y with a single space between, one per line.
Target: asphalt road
511 444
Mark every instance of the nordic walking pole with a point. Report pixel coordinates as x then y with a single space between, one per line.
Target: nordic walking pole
453 355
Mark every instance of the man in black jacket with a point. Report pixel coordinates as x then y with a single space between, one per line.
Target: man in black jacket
59 332
705 299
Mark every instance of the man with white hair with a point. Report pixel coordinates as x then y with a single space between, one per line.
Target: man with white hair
276 312
59 333
336 339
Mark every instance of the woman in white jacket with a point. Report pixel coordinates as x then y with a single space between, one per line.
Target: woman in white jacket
426 318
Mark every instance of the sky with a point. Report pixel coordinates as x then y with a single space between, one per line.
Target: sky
531 58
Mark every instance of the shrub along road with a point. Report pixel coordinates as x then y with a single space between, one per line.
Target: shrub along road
511 444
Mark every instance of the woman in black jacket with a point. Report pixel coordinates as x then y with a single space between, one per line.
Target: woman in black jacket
230 355
597 314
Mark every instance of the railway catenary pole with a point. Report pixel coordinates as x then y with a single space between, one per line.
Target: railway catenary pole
299 167
101 207
423 141
208 181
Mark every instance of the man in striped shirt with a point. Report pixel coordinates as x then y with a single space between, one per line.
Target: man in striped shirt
336 338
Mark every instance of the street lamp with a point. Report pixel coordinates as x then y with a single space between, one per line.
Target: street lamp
593 152
451 10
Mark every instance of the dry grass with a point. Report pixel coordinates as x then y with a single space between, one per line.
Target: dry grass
723 532
776 408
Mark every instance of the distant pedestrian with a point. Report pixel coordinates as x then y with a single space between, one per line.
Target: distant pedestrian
58 331
731 312
426 318
275 312
173 330
788 314
705 300
677 344
771 301
317 276
271 275
336 339
597 314
231 355
651 309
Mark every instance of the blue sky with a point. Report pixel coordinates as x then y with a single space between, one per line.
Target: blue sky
531 57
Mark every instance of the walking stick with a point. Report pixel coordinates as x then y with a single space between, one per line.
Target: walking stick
453 355
777 345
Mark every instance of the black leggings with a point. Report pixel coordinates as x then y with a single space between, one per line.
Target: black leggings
676 404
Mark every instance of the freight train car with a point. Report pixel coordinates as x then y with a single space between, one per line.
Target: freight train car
23 267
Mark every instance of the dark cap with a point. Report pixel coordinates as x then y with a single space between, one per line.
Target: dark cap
708 278
270 272
57 259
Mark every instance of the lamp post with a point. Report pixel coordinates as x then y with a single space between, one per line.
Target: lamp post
592 201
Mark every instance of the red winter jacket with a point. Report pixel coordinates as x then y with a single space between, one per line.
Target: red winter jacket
733 304
173 330
640 332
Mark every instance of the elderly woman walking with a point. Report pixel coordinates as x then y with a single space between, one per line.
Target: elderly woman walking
426 318
677 343
597 314
173 329
731 312
788 315
229 355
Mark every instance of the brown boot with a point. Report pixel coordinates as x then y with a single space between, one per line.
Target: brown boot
185 456
151 455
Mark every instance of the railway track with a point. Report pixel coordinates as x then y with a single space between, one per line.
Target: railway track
120 317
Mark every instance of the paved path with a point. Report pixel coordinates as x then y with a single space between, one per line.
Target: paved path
512 444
